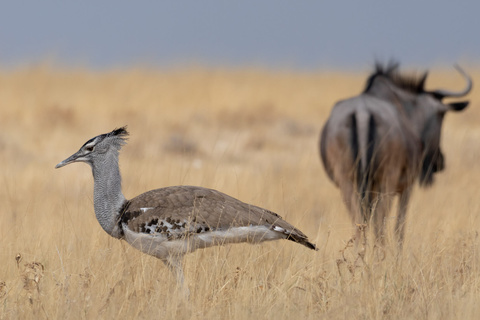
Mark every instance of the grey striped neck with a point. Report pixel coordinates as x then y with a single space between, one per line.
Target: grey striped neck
107 193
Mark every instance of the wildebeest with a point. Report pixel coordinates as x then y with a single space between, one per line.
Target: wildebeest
375 145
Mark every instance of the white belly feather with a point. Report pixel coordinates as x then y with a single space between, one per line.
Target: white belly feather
158 245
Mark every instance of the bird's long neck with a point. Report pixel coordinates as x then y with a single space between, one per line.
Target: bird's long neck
107 193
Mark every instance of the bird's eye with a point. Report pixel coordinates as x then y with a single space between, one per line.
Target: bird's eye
89 149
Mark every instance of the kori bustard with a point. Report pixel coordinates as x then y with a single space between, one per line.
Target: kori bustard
169 222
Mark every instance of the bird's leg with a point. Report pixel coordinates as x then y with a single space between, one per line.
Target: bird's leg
174 263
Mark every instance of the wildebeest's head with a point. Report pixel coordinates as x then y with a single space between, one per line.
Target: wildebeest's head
424 109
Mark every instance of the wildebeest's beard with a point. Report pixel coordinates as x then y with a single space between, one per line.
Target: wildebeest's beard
433 162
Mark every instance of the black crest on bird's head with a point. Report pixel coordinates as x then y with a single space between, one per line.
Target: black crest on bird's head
118 136
120 132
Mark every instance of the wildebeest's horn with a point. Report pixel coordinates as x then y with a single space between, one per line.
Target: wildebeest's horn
446 93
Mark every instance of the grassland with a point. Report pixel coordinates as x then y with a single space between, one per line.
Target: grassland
253 135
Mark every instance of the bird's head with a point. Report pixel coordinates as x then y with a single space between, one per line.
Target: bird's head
98 148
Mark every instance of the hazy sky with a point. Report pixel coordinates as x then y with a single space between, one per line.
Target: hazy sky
287 34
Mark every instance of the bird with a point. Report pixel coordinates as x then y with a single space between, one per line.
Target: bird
170 222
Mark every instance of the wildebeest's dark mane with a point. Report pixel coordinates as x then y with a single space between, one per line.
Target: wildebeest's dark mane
410 83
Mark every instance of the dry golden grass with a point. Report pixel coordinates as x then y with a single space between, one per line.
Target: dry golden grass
251 134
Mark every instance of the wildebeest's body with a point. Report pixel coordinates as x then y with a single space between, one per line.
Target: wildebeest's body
376 144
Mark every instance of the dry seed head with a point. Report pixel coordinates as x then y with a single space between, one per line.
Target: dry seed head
32 274
18 258
3 289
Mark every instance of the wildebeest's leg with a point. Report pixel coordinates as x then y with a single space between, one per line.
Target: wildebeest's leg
402 211
352 201
380 207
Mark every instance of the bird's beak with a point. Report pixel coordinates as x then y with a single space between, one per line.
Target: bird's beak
73 158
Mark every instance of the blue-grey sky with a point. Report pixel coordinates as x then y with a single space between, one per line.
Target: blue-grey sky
275 34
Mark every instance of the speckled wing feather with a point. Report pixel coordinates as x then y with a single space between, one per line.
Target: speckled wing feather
182 210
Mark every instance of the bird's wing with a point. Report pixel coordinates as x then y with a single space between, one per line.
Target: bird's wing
182 210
